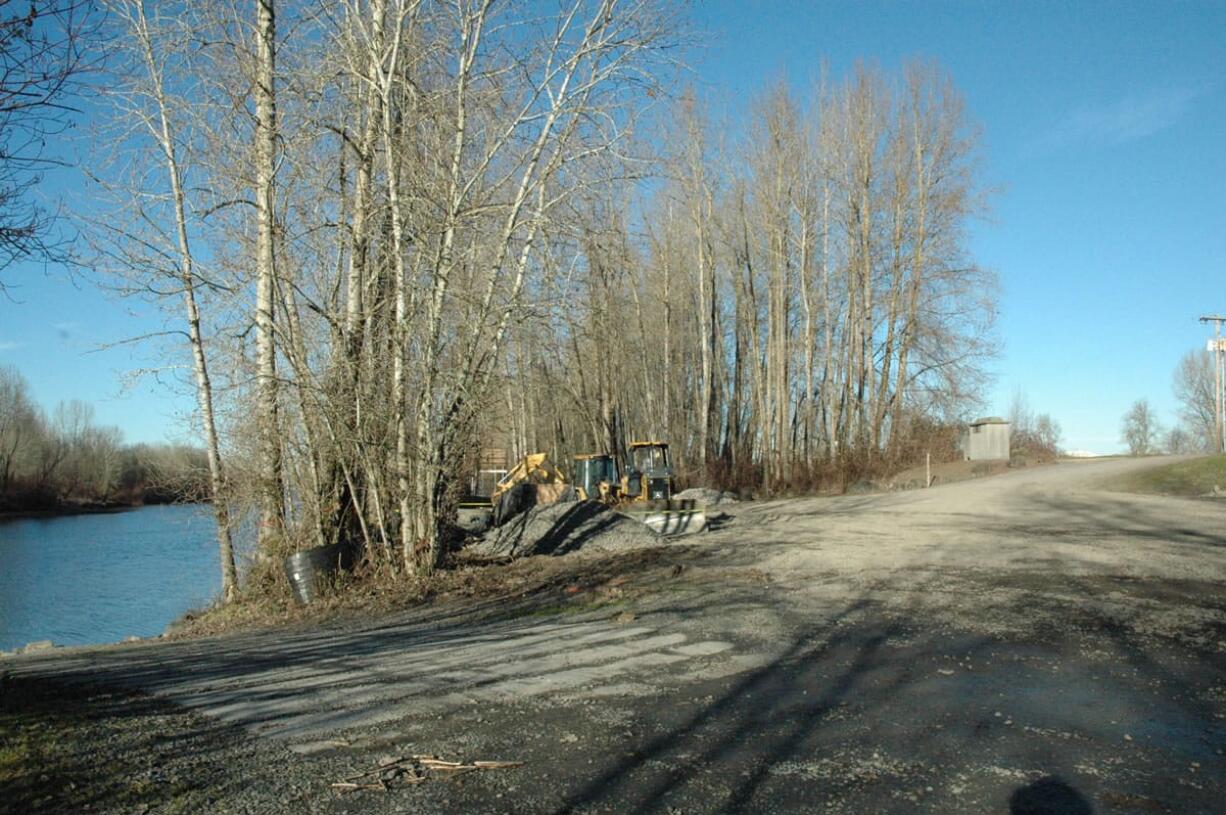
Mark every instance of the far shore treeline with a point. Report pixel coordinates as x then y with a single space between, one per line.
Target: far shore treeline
62 461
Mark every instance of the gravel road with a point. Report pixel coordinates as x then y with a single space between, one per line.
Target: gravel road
1022 643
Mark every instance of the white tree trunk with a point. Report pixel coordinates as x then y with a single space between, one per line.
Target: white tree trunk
164 136
270 487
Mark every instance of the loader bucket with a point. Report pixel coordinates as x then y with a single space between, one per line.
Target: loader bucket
670 518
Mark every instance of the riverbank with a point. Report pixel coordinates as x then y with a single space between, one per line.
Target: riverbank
69 508
65 510
574 582
1021 643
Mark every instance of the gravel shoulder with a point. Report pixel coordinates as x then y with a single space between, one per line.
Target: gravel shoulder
1023 643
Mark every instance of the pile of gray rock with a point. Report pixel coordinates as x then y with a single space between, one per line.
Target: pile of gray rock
564 527
707 497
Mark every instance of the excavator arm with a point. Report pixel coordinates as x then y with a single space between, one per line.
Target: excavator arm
533 473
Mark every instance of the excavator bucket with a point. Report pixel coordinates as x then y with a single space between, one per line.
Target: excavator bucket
534 481
671 518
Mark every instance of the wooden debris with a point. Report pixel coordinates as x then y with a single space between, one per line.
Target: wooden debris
412 770
346 786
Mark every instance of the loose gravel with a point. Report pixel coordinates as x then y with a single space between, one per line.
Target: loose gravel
558 529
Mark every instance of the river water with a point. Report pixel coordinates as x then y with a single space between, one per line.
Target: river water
84 579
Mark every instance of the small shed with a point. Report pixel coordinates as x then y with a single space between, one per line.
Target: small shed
986 439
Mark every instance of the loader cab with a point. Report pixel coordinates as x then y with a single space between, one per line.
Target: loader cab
649 475
592 470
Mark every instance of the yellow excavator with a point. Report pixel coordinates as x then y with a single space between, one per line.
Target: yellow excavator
533 481
644 491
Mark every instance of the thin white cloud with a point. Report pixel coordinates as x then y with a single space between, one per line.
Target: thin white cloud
1133 117
11 345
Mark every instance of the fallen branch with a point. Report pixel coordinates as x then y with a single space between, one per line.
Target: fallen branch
346 786
415 769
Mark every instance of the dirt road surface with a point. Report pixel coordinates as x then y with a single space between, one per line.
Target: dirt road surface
1019 644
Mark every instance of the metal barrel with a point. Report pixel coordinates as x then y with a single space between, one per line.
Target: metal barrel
309 570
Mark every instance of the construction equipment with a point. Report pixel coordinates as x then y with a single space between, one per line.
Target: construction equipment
647 492
596 478
644 491
533 481
649 475
474 512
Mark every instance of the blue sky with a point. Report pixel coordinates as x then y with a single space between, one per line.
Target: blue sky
1104 128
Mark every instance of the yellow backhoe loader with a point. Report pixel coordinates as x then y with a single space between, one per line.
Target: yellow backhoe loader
644 491
596 478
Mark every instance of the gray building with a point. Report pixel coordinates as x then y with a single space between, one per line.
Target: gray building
986 440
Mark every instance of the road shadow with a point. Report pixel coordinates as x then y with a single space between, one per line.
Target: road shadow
875 709
78 748
1049 796
1145 518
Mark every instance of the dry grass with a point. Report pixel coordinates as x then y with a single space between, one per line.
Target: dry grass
946 473
579 579
1190 479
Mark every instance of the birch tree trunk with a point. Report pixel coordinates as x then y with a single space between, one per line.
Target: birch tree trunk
270 487
163 134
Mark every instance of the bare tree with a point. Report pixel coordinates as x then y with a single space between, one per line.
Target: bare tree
161 261
1139 428
1022 417
265 148
1178 441
20 427
1048 432
1194 390
43 51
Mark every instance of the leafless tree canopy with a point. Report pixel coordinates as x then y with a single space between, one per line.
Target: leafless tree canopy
1032 434
395 232
42 54
1194 390
1140 430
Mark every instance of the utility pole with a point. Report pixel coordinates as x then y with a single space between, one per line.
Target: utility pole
1218 345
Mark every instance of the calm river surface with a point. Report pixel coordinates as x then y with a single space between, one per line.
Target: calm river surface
85 579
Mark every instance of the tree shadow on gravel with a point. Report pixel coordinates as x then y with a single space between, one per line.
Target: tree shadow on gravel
338 673
762 720
1102 515
89 748
872 710
1048 796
